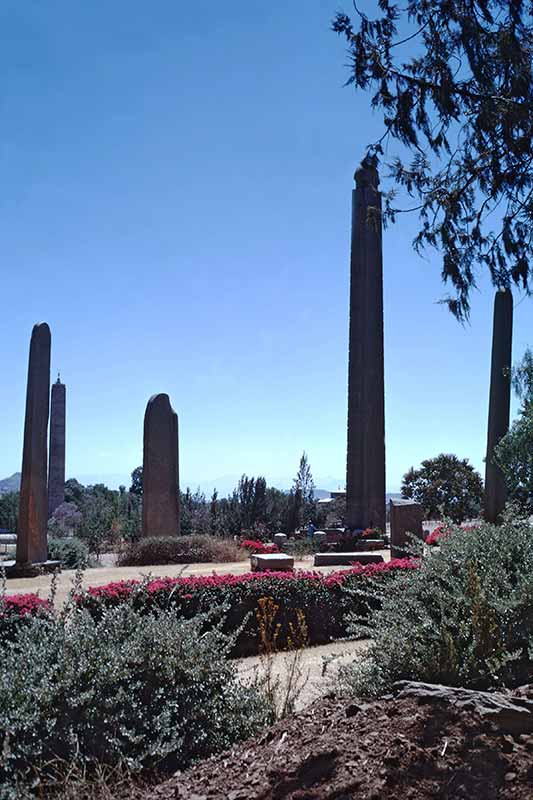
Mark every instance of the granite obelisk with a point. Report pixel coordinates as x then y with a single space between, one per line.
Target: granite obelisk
33 507
365 472
161 506
499 401
56 465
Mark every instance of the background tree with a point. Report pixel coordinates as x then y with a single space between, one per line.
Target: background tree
455 89
137 481
9 511
522 378
514 453
445 486
304 492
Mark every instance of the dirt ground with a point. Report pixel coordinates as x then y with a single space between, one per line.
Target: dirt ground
390 749
106 574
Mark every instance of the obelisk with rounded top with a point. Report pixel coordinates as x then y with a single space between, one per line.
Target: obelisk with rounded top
365 470
161 506
56 468
33 505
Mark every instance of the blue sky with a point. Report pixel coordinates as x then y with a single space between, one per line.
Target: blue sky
176 205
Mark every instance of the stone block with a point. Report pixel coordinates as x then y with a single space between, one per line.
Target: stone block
319 537
346 559
280 539
405 517
277 562
15 570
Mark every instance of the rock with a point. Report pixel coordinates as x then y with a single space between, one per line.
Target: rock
508 713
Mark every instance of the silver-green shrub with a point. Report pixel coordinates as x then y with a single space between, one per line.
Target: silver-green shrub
465 618
148 692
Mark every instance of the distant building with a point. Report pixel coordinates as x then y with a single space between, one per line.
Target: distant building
339 494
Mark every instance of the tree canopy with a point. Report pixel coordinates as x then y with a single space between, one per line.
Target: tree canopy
454 84
514 453
446 486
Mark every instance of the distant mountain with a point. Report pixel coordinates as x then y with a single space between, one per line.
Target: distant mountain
11 484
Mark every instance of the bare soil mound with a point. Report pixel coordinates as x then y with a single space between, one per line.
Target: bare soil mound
427 744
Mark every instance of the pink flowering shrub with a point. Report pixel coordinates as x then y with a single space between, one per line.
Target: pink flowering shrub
371 533
442 531
324 599
16 608
256 547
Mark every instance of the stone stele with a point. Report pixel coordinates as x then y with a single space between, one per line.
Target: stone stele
56 469
161 509
33 508
405 517
365 472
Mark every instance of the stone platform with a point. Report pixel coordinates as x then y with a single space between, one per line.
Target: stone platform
278 562
14 570
346 559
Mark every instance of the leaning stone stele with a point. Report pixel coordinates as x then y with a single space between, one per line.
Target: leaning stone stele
161 506
32 548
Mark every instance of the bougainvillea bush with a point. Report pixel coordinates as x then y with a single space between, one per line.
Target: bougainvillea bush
324 599
255 547
436 535
464 618
440 532
17 610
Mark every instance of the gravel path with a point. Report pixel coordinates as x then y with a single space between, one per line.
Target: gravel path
318 667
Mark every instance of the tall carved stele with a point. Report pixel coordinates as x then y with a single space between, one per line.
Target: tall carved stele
499 402
56 468
33 508
365 469
161 506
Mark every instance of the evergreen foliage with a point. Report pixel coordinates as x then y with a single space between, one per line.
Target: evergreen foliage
454 85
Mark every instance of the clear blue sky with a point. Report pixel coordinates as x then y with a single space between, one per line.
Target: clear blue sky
175 203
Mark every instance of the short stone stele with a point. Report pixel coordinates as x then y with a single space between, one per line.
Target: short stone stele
161 508
405 517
